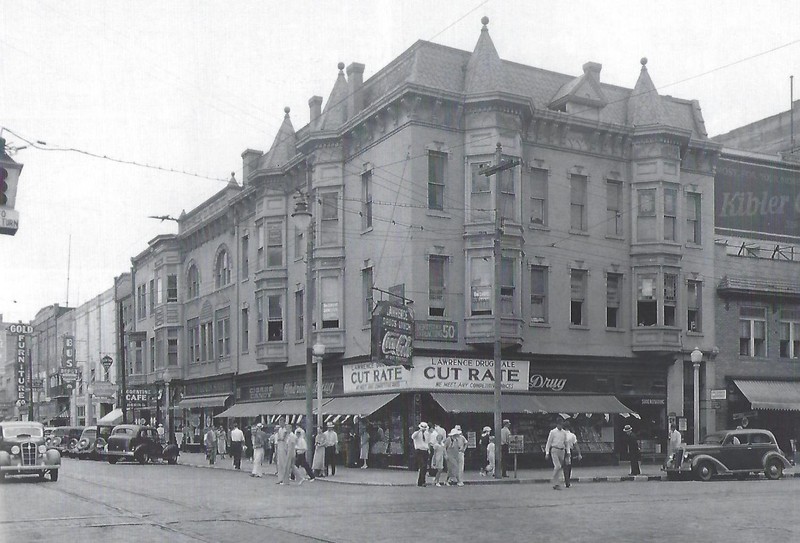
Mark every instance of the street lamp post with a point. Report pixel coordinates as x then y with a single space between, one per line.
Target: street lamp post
303 220
319 352
167 376
697 358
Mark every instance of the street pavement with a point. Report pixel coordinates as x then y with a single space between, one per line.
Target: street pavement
404 477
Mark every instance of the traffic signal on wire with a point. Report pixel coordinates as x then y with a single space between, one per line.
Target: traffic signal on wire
3 186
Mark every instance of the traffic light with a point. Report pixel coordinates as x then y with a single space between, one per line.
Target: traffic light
3 186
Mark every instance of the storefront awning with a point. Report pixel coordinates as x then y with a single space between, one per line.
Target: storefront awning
529 403
272 407
112 417
357 405
781 395
252 409
204 401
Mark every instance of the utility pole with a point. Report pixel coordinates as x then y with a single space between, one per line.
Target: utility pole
497 254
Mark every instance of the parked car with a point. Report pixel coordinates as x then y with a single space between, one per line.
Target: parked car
139 443
737 452
92 444
65 439
23 451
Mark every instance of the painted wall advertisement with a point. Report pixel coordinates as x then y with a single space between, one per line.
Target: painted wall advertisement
757 198
392 333
453 374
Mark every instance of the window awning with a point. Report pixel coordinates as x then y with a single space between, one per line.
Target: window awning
529 403
271 407
357 405
204 401
112 417
780 395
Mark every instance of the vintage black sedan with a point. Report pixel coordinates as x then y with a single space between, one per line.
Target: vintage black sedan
731 452
92 444
139 443
23 451
65 439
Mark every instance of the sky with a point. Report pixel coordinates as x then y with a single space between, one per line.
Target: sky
188 86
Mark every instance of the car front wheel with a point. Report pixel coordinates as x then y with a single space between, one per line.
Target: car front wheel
54 475
112 459
774 469
142 457
704 470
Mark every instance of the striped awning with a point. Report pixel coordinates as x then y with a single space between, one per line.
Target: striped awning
217 400
272 407
780 395
529 403
357 405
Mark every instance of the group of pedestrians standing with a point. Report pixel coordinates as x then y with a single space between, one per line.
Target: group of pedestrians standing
562 449
438 452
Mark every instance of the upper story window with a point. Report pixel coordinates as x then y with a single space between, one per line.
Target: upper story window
613 300
299 315
436 285
614 208
172 347
538 294
330 302
366 200
646 215
260 244
245 266
141 301
329 225
753 331
507 195
366 293
481 273
693 211
790 333
670 211
138 356
245 326
172 288
694 305
647 299
538 191
159 291
577 310
222 269
192 282
577 202
480 194
507 285
436 179
274 244
152 295
670 298
223 318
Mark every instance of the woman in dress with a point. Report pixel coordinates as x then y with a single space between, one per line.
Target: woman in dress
452 447
364 442
222 442
437 460
318 463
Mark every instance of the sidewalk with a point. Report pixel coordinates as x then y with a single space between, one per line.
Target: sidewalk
401 477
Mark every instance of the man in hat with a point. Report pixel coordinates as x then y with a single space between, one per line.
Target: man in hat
505 439
259 439
634 452
420 440
573 453
556 449
331 441
237 446
484 448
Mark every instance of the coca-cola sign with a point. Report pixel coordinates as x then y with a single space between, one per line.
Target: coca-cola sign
392 334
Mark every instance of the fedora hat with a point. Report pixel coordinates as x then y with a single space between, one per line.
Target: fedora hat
330 425
627 428
423 425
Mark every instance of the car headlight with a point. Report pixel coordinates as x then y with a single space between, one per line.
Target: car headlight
42 449
56 441
15 449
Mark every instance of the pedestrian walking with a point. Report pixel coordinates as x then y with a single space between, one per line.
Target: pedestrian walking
437 459
462 449
505 438
210 442
634 452
222 442
675 439
420 440
318 463
281 456
237 446
483 444
331 442
289 468
364 445
259 441
301 448
490 457
453 450
555 449
273 445
572 454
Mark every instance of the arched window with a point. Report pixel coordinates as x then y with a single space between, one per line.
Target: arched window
222 269
193 282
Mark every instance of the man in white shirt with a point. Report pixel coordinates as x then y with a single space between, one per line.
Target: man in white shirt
420 440
555 449
674 439
572 453
237 444
331 442
505 438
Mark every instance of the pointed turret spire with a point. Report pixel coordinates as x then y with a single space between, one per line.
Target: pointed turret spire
335 113
284 147
485 69
644 105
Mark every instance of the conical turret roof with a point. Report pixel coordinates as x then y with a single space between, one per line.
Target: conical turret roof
485 71
335 113
644 105
284 147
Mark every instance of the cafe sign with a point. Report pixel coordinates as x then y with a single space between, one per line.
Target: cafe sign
392 334
137 397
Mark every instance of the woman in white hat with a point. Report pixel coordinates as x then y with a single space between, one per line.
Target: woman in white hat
484 447
452 446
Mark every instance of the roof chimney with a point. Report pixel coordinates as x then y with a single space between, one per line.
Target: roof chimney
315 108
355 80
592 69
249 163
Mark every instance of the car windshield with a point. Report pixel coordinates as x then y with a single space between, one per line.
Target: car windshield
713 439
17 431
89 433
122 431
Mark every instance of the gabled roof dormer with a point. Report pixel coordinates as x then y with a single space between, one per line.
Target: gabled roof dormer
584 91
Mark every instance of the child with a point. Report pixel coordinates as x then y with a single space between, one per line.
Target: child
437 461
490 457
